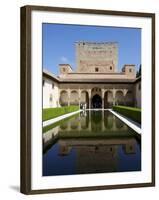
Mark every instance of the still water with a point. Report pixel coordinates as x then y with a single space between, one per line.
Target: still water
91 142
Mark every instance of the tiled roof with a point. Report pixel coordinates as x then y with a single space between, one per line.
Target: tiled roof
90 80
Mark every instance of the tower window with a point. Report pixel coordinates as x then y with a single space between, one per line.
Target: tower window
130 70
96 69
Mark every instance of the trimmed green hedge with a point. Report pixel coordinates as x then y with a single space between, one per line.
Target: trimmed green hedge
47 128
130 112
50 113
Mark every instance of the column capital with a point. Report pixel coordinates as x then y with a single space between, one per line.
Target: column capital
89 93
79 92
125 92
114 92
69 92
114 96
103 91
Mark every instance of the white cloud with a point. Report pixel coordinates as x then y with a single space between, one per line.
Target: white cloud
64 59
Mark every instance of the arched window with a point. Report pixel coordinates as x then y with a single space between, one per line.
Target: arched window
108 99
119 98
129 98
74 99
64 98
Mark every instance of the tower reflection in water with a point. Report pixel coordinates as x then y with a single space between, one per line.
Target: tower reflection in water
91 142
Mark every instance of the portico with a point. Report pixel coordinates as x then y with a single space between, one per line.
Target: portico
95 83
96 97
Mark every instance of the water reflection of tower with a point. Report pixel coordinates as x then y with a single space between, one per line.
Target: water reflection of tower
96 121
130 146
96 158
97 155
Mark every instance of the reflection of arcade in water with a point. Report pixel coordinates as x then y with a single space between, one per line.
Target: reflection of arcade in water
90 123
94 120
91 142
97 155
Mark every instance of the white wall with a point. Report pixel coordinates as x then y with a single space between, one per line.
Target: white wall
10 103
48 90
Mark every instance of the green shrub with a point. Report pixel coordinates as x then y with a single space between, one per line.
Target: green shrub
130 112
51 126
50 113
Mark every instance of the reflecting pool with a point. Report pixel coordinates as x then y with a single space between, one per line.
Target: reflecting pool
90 142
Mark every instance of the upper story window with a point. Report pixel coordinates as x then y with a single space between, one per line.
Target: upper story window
130 70
111 68
52 85
96 69
64 69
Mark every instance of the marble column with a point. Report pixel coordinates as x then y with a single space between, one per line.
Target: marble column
89 95
79 97
114 96
69 94
124 94
103 98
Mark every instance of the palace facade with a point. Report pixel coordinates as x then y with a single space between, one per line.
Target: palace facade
96 81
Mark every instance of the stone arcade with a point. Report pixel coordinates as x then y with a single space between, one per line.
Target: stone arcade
96 81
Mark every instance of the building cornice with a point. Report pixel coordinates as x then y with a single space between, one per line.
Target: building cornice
85 81
50 75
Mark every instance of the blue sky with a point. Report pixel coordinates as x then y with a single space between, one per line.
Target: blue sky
59 43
